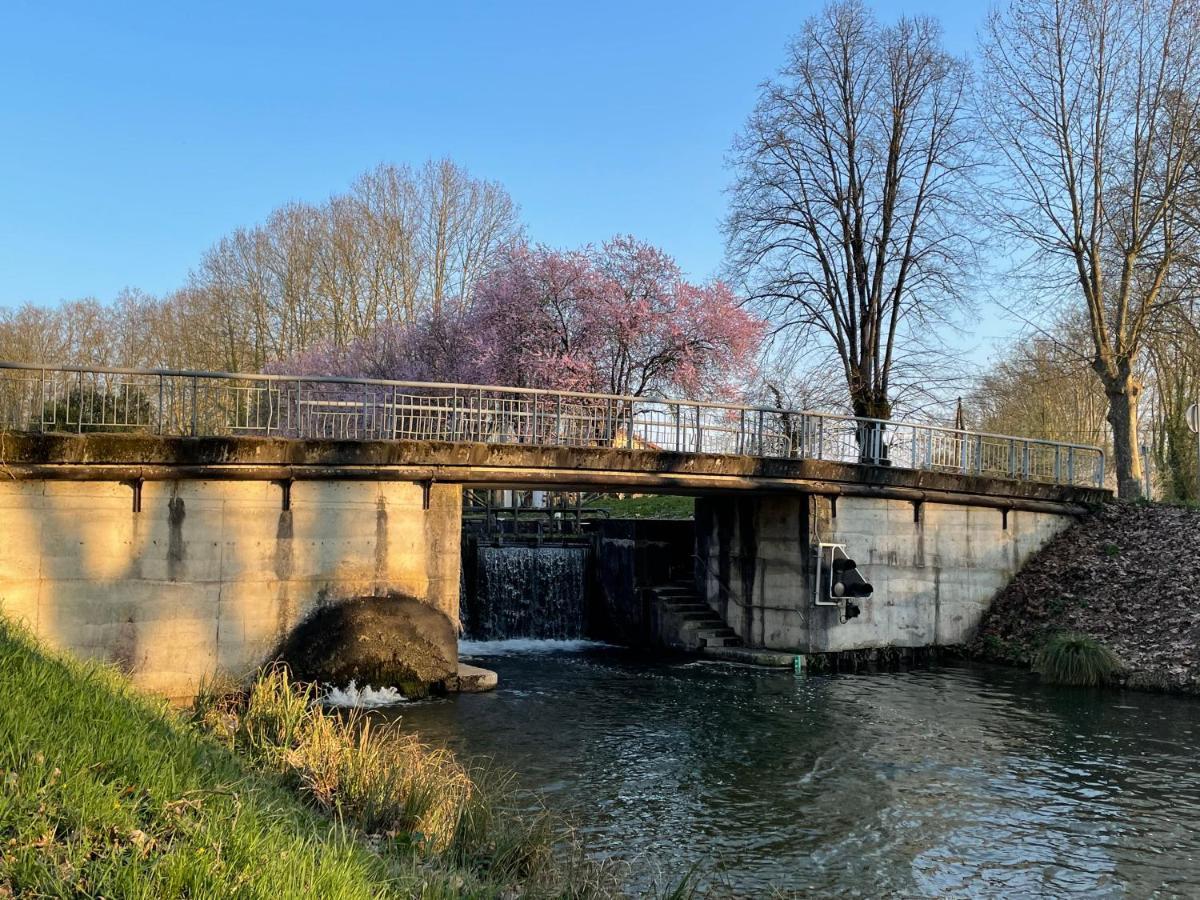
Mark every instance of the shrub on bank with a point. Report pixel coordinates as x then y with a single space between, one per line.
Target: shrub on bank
1076 659
398 791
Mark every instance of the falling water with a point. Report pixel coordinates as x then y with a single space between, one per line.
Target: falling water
529 592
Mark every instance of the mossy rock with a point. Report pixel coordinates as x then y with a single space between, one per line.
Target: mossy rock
392 640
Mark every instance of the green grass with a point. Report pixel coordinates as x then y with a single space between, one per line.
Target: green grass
106 792
1076 659
646 506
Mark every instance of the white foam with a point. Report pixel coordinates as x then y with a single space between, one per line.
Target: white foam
363 698
518 646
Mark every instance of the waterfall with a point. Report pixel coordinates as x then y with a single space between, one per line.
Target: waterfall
528 592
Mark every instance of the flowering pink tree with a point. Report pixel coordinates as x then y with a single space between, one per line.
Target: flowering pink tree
620 319
529 325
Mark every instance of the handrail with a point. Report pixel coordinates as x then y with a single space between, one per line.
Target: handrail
40 397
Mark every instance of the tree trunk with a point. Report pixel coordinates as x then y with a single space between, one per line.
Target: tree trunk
1122 391
871 436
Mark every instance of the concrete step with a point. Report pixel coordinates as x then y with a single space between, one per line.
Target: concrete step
718 631
721 641
771 658
687 607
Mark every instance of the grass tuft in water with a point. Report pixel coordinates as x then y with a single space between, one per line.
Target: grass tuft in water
404 796
1076 659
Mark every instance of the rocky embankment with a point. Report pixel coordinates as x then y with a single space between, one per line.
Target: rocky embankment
1128 576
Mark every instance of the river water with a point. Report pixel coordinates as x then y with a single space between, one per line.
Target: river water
953 781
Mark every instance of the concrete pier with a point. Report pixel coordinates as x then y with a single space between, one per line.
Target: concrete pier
935 567
211 575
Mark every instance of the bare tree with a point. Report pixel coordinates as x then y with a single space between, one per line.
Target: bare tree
851 187
1042 387
1091 106
401 246
466 223
1173 363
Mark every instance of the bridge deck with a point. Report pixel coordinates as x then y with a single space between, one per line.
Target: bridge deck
134 457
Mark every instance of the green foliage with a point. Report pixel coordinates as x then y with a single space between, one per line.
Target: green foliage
104 792
1174 451
97 411
1076 659
646 506
1111 550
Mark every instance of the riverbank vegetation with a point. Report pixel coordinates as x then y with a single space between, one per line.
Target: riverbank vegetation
104 792
1076 659
1119 585
645 506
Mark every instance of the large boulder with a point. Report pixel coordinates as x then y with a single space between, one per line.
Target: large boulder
381 641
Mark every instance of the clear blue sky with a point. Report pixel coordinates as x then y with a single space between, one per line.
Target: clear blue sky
134 135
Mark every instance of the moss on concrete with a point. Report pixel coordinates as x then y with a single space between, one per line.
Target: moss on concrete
391 640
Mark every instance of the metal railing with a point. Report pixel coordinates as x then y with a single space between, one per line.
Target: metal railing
35 397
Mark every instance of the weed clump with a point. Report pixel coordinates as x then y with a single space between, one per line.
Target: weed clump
1076 659
406 797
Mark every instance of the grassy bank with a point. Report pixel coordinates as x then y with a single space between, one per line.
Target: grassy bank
106 792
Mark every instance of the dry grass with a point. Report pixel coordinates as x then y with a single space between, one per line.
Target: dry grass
405 796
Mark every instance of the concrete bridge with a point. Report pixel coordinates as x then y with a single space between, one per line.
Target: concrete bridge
180 523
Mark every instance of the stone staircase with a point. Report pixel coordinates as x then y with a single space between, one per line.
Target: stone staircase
686 622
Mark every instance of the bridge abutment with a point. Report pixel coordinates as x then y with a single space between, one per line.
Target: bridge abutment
175 580
935 567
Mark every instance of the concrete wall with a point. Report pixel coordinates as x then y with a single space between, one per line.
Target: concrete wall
211 575
933 577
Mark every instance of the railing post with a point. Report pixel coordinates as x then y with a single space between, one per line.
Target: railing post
1012 458
914 447
678 428
742 433
1070 465
699 432
629 427
390 415
160 404
964 452
979 454
1025 462
299 412
820 437
558 441
761 450
1057 464
79 427
42 404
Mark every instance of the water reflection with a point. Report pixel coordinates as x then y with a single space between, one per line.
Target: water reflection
956 781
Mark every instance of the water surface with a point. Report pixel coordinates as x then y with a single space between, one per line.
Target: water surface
958 781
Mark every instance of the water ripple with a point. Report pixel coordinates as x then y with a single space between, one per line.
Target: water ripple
952 782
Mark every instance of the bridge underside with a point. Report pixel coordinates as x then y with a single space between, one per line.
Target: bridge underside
177 557
134 458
